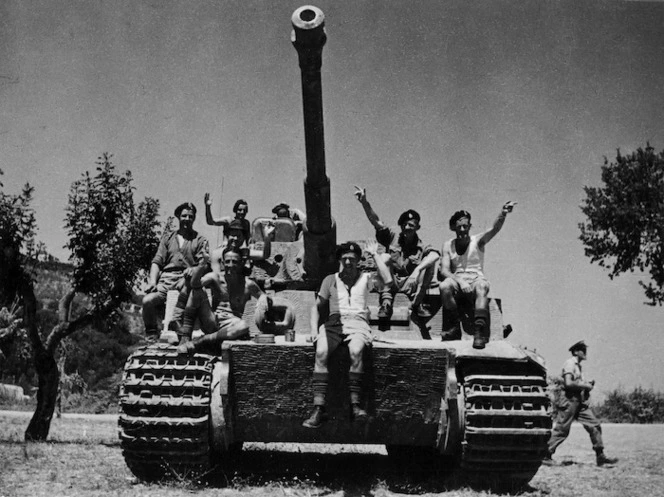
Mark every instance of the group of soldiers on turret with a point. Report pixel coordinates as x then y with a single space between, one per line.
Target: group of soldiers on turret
184 262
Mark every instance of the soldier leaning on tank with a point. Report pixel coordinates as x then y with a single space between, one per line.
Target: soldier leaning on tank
178 253
411 263
241 209
342 304
284 210
462 271
576 407
231 290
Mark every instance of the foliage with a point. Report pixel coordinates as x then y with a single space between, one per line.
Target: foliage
638 406
110 238
625 226
17 240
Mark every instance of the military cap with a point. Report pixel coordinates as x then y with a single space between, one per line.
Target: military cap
456 216
344 248
279 207
407 216
580 345
186 205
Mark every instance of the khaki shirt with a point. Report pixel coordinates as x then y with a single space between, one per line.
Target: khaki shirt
573 367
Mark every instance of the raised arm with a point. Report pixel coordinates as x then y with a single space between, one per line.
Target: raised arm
222 221
383 271
361 195
497 224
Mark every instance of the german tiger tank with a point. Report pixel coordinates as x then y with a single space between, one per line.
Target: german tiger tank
486 411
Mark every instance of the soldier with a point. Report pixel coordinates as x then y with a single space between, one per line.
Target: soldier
576 407
231 290
462 268
411 263
284 210
241 209
178 253
342 304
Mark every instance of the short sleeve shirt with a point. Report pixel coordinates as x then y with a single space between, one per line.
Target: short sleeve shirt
572 367
348 300
405 257
171 257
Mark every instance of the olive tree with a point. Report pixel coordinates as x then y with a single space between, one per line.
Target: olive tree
624 230
111 239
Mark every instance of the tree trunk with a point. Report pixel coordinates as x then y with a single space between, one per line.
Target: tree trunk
49 378
47 368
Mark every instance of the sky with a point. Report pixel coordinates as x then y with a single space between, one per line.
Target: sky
431 105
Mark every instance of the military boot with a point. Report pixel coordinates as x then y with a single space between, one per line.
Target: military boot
481 328
316 419
451 325
602 459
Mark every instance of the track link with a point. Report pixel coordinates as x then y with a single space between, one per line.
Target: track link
165 413
507 424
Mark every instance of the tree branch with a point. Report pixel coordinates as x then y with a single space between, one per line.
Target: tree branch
63 330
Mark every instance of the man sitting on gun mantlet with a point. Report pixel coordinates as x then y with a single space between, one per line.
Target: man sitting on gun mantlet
410 262
463 270
342 305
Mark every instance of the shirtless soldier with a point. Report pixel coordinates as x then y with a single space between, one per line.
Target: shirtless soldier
463 269
230 293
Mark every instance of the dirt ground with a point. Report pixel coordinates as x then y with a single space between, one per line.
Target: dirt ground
84 458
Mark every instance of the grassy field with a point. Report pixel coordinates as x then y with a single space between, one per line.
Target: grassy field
84 458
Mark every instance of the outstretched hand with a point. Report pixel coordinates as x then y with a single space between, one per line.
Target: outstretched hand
360 194
207 200
509 205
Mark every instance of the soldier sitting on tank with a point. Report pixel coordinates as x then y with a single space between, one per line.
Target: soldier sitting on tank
411 263
236 239
284 210
462 268
178 253
241 209
231 290
342 306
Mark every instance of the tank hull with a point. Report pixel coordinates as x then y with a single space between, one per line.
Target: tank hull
488 409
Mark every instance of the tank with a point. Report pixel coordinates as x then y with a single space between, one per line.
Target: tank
484 411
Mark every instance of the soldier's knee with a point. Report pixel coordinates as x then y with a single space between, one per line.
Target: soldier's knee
482 288
151 299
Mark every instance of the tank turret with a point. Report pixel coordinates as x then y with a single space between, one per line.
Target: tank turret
308 38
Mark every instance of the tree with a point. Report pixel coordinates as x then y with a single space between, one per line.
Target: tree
625 226
111 240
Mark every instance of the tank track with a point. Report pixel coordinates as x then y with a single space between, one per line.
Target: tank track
507 423
164 419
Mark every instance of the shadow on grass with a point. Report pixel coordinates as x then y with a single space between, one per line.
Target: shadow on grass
356 474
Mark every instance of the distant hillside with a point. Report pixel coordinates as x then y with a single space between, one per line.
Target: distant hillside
94 358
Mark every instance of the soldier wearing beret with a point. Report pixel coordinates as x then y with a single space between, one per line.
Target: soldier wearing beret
411 263
178 254
576 407
462 271
342 305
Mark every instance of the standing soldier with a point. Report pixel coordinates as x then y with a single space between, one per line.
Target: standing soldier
577 391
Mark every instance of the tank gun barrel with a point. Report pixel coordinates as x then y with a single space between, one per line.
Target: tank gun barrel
308 38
